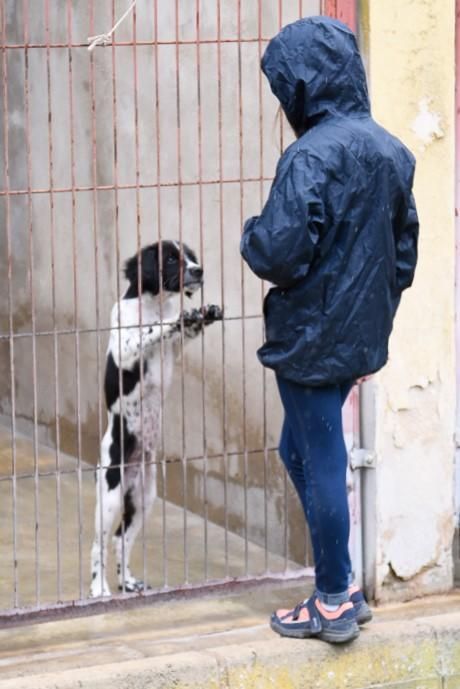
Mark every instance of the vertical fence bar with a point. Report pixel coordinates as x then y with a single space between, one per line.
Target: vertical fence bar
457 276
285 478
95 215
141 315
180 216
329 7
121 465
6 170
202 258
357 536
262 286
32 297
222 273
75 301
164 534
243 306
53 301
345 10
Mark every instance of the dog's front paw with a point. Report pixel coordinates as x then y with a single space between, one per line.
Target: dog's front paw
191 317
133 585
211 313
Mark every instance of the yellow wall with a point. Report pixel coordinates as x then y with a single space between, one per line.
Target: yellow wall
411 65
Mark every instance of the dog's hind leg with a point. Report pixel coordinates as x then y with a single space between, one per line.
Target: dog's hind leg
108 504
138 501
107 508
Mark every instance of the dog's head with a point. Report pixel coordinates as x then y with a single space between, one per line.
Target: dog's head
179 269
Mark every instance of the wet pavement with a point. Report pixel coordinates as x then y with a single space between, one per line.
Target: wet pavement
47 530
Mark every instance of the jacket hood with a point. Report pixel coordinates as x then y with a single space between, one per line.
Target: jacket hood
314 68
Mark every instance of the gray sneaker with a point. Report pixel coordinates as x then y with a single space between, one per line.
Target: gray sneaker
310 619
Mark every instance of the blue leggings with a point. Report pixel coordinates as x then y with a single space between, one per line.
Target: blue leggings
313 450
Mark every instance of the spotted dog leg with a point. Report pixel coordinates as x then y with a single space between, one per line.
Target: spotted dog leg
116 448
138 501
107 509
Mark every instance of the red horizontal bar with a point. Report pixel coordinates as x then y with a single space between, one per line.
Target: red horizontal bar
137 43
112 187
89 331
91 469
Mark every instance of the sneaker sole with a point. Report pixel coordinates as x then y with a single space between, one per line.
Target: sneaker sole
363 614
291 633
329 635
339 637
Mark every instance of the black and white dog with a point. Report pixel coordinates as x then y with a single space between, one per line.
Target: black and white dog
134 411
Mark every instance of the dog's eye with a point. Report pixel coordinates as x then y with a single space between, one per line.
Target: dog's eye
171 259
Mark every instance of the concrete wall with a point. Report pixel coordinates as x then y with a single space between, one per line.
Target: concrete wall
411 65
224 387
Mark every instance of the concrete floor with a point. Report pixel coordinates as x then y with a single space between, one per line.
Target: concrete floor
160 629
52 554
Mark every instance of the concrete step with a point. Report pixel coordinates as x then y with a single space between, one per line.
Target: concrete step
225 642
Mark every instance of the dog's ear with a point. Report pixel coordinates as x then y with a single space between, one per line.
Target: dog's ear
131 270
149 270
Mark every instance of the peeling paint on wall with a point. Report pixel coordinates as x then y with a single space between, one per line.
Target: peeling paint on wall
427 124
419 417
414 42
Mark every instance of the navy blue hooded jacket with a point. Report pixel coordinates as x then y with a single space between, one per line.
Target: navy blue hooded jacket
338 234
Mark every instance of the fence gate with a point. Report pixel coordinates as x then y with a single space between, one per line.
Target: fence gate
170 131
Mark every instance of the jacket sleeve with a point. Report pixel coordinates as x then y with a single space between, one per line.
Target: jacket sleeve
279 244
406 238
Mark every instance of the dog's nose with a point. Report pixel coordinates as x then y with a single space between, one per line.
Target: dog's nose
196 273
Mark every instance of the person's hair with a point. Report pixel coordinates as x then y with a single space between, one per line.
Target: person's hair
280 114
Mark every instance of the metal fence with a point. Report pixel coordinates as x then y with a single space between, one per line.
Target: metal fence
168 132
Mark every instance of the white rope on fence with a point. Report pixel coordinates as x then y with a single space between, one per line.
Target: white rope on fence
105 38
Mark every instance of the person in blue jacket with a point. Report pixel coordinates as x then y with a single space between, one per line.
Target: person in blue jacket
337 238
